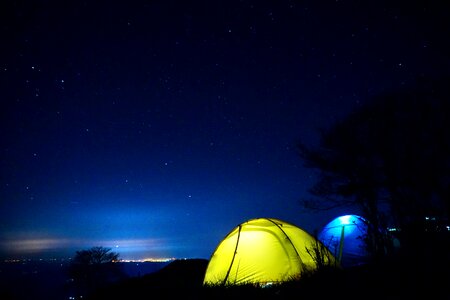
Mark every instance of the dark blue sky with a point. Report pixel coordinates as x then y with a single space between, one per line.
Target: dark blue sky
156 127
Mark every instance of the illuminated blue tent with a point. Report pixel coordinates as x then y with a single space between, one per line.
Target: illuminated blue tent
344 237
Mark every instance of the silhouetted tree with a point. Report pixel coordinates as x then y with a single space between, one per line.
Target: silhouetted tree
95 255
393 152
93 268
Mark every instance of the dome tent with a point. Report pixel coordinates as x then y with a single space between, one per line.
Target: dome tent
344 237
262 251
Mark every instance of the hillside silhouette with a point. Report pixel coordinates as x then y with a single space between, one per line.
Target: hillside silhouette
400 277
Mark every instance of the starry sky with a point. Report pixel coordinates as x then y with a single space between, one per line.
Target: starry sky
156 127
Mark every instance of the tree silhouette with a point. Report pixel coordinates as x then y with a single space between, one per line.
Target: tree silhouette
390 158
94 268
95 255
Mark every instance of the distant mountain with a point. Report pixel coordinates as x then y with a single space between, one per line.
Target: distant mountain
178 275
137 269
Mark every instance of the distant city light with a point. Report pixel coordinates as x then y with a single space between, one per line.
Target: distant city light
151 259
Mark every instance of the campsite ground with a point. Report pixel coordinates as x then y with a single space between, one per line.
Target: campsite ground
403 277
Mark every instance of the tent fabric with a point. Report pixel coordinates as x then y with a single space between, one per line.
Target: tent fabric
344 237
263 250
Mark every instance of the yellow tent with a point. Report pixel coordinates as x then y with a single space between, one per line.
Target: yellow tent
263 251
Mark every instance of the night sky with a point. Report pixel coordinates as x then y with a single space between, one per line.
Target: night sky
156 127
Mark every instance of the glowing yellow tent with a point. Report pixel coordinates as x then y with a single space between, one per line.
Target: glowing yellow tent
263 251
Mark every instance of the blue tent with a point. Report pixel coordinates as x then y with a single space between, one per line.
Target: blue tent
344 237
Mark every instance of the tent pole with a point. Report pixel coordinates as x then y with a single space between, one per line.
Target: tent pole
341 244
234 255
290 241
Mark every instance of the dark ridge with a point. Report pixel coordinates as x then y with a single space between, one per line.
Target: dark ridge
181 275
402 277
